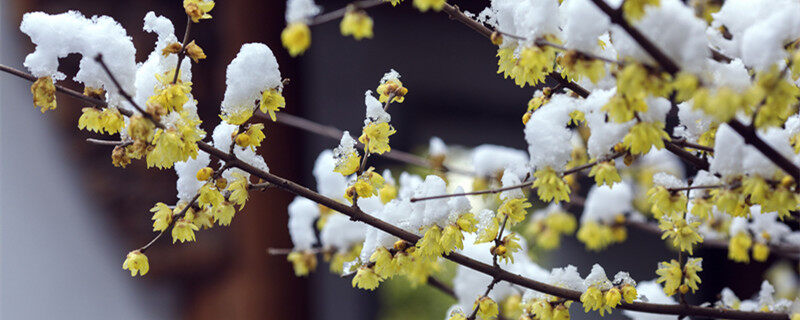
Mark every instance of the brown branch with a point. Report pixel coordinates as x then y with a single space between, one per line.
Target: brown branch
109 142
783 250
336 134
750 137
698 163
496 273
518 186
182 52
617 18
686 144
336 14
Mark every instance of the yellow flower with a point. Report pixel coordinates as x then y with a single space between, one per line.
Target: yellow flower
509 245
302 262
489 233
593 299
183 231
203 218
665 202
644 135
167 151
44 94
349 164
739 246
515 209
252 137
755 187
204 174
684 235
195 52
162 216
533 64
629 293
366 278
108 120
136 262
271 102
429 246
394 2
487 308
141 129
451 239
198 9
550 186
731 201
685 85
238 189
296 37
634 9
621 108
577 66
613 298
172 48
425 5
760 252
376 137
673 277
692 267
170 96
356 23
392 87
595 236
387 193
209 196
605 173
223 213
384 265
467 222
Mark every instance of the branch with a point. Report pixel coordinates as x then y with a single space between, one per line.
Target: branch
496 273
336 134
336 14
750 137
518 186
182 53
617 18
783 250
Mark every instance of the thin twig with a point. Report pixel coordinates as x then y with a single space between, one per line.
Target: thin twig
517 186
182 52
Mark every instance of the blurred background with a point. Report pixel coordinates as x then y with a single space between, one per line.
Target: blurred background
68 217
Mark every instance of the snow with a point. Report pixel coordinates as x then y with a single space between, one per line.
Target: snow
547 135
375 112
329 183
341 233
604 134
301 10
604 203
578 34
302 213
437 147
674 29
187 183
490 160
58 35
252 71
653 293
